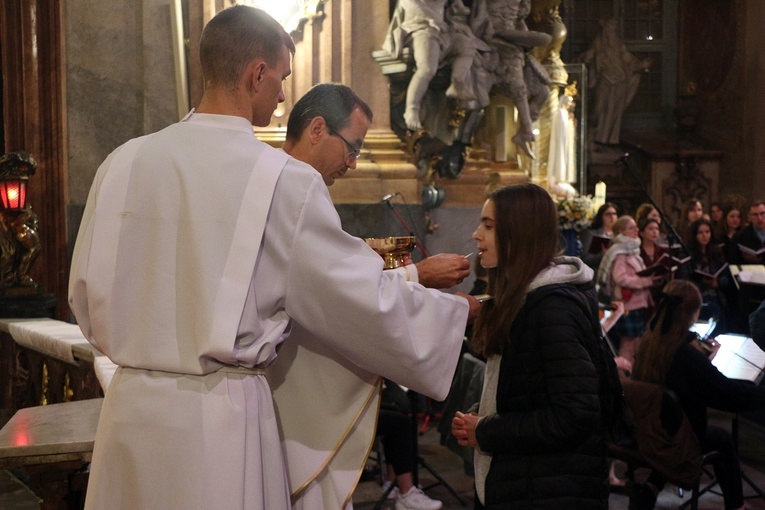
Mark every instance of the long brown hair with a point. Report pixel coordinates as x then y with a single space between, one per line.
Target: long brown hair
661 341
526 229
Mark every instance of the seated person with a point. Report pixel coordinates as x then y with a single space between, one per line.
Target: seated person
394 427
752 237
671 356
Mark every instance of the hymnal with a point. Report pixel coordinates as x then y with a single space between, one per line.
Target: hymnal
712 276
664 264
751 251
599 244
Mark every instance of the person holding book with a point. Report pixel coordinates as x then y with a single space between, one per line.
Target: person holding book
618 279
596 239
672 356
647 210
749 244
708 270
728 228
651 252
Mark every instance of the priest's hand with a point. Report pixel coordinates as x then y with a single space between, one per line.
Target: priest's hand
443 270
475 306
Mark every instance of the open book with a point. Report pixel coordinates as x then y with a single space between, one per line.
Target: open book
599 244
665 264
739 358
751 251
712 276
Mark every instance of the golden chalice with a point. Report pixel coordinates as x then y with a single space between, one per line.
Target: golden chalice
394 250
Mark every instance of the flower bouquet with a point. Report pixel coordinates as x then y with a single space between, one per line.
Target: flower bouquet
574 213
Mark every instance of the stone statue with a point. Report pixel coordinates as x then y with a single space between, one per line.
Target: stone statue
439 33
613 74
518 74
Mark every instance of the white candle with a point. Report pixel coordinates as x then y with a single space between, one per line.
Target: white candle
600 195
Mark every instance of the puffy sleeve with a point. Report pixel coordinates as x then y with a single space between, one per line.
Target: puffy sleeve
569 409
624 275
337 289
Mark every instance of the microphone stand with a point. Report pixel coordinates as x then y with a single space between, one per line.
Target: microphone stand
673 235
411 232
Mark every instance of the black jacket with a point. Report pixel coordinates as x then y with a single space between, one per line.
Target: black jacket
547 439
746 237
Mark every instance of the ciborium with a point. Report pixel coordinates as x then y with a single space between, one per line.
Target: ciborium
394 250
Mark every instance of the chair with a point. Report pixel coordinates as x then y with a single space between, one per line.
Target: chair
664 440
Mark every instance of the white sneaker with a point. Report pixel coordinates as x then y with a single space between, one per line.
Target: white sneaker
415 499
393 494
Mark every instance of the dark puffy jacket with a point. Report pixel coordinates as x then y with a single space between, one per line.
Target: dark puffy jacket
547 439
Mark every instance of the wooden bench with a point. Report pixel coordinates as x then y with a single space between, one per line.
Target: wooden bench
53 444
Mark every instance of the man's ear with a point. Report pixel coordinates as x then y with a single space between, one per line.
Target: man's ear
316 129
256 73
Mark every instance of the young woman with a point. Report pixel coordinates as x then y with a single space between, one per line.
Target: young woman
645 211
617 277
731 225
651 252
706 259
671 356
691 211
538 432
602 227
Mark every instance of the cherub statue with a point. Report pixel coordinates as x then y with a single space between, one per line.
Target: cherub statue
438 32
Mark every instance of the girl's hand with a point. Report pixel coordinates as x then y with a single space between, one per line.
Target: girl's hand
463 428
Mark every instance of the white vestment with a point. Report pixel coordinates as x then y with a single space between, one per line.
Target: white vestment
171 281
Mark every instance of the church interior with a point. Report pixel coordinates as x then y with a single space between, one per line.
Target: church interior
643 101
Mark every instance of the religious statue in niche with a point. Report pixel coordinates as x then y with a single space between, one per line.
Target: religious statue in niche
614 77
486 45
19 239
562 166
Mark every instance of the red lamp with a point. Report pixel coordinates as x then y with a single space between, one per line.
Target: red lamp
13 192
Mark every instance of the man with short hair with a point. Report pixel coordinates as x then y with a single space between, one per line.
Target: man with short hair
752 237
200 249
326 129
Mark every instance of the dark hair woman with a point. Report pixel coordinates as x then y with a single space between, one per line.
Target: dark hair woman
706 261
538 432
601 228
670 355
691 211
731 224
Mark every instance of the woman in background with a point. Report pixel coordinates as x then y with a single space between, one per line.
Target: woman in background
647 210
670 355
651 252
706 259
538 433
691 211
731 225
602 228
618 278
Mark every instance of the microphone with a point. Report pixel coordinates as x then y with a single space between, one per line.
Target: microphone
388 197
622 158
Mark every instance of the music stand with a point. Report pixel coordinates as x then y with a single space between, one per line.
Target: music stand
740 358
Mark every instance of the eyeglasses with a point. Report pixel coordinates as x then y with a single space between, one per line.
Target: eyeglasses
353 152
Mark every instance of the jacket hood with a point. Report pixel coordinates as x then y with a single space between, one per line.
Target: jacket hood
563 269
